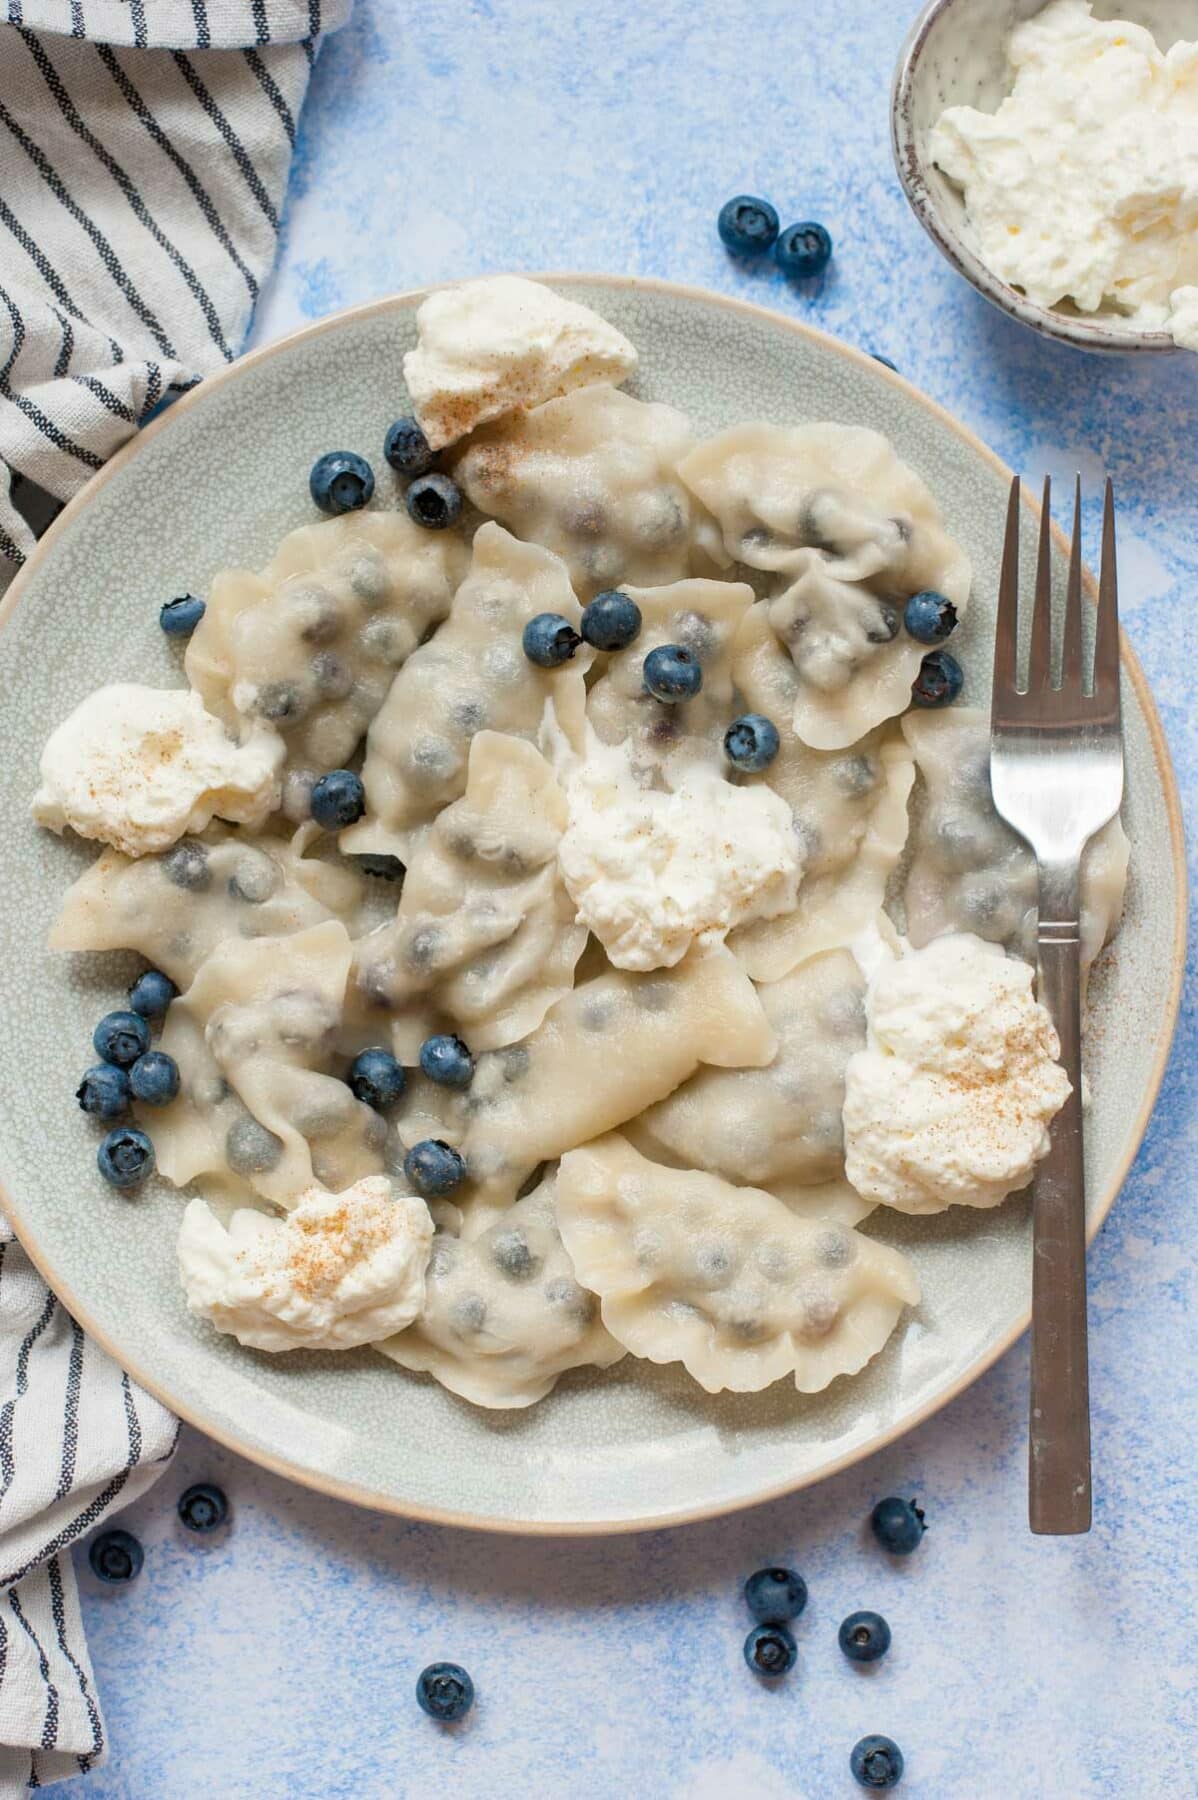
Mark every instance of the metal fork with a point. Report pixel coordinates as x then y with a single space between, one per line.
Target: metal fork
1056 771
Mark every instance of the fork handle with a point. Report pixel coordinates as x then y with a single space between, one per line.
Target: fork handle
1059 1432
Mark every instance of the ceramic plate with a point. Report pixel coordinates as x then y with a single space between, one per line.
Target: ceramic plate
218 480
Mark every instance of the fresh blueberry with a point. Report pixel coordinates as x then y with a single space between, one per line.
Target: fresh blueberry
121 1037
376 1078
445 1692
445 1059
203 1507
434 501
338 799
154 1078
104 1092
939 681
774 1596
612 621
187 867
125 1157
672 673
115 1556
549 640
341 481
803 251
876 1762
898 1525
152 993
747 226
770 1650
434 1168
407 449
179 618
751 743
864 1637
929 618
884 360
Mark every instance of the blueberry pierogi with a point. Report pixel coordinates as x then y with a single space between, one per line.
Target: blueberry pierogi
526 893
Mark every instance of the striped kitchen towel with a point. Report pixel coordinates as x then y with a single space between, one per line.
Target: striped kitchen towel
144 151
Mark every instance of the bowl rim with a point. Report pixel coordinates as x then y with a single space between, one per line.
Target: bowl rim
354 1492
1098 332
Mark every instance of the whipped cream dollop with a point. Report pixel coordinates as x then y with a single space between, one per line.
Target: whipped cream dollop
139 767
337 1271
651 871
1084 184
490 347
951 1100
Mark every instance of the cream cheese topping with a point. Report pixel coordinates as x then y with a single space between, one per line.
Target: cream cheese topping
951 1100
337 1271
490 347
1083 186
651 871
139 767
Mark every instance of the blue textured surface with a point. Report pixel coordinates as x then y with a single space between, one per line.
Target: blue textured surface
280 1660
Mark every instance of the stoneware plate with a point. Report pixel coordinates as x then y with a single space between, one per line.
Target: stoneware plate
218 480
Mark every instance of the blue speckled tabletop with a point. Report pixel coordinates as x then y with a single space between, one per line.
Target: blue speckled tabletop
279 1663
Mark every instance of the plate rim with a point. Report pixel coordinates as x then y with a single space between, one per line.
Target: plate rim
354 1492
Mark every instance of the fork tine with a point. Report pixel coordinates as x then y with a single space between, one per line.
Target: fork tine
1071 648
1006 627
1106 639
1039 667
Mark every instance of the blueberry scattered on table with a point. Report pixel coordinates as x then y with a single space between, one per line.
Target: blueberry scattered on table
747 225
929 617
104 1091
445 1692
434 501
376 1078
803 251
434 1168
751 743
338 800
876 1762
407 449
446 1059
151 994
864 1637
154 1078
121 1037
341 481
672 673
203 1506
775 1596
179 617
115 1556
898 1525
770 1650
612 621
550 640
939 681
125 1157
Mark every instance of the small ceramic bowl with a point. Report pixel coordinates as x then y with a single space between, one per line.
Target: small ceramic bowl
956 55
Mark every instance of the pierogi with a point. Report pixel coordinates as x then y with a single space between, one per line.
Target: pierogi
624 1028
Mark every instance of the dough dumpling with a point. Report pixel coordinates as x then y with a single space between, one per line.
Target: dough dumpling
969 871
724 1279
593 476
471 676
504 1315
485 939
177 907
848 533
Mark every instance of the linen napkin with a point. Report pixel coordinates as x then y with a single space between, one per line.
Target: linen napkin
144 152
